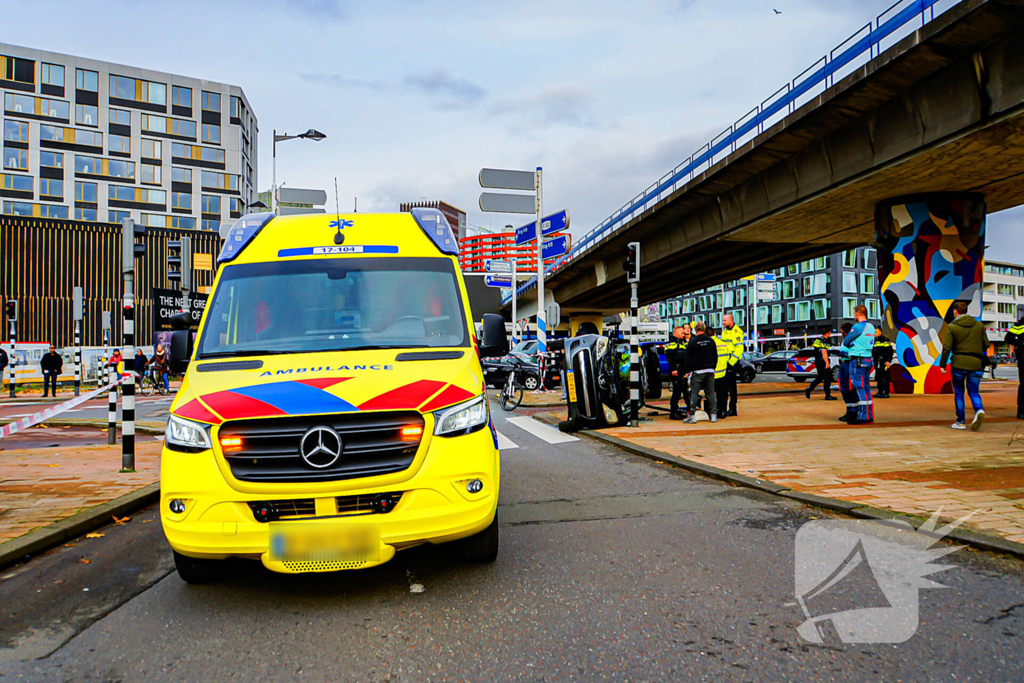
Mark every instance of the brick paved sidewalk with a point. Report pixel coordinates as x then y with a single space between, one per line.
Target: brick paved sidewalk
909 461
41 486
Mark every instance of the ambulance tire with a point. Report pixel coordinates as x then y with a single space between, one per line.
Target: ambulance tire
195 571
481 547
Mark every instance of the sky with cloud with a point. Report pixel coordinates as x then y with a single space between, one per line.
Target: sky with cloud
415 96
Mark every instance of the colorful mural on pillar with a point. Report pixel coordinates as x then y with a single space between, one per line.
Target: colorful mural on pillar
932 255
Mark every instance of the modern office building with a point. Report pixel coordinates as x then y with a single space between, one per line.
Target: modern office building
476 250
809 298
1002 297
93 141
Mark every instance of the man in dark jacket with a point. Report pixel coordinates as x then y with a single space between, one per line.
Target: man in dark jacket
1015 338
882 355
966 341
701 361
51 365
675 355
3 366
822 365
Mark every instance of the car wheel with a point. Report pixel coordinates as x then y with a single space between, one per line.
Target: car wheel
748 375
531 382
195 571
759 368
800 379
482 546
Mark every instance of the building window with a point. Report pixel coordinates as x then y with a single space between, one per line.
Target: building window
777 313
51 188
226 181
849 303
821 263
236 107
211 101
51 159
180 96
151 173
850 283
212 225
739 316
181 200
87 80
181 175
211 204
183 222
1005 290
138 90
870 259
121 117
873 309
154 220
21 183
16 131
152 149
850 258
820 309
87 115
121 143
762 315
85 214
1007 309
18 69
117 216
867 283
15 159
52 74
789 289
111 168
211 133
86 192
126 193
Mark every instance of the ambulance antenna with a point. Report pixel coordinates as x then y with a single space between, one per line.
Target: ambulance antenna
338 237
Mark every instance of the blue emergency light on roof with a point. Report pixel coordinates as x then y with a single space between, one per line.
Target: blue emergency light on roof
241 233
437 228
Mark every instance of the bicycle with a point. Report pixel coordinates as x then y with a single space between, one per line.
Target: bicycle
512 393
151 382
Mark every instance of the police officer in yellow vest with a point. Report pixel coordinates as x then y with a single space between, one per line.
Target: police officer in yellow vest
822 365
882 355
733 336
1015 338
675 354
721 372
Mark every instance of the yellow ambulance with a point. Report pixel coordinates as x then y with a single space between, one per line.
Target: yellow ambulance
333 409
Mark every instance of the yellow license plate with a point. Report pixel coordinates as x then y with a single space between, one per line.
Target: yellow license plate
325 542
571 381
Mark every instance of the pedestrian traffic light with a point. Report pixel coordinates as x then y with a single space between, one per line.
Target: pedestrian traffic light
131 249
174 260
11 309
632 263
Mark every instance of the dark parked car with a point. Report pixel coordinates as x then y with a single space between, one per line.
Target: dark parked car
801 365
757 358
496 371
777 361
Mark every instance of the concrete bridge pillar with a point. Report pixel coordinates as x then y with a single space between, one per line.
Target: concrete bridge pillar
931 254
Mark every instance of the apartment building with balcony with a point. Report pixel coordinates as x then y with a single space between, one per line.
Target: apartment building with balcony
95 141
1002 297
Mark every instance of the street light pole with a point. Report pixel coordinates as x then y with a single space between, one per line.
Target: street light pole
311 134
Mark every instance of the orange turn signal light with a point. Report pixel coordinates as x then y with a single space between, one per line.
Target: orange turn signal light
231 443
412 432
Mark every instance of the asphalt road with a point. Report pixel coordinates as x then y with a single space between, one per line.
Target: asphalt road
612 567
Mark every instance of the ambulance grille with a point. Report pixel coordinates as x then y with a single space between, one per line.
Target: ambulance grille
372 444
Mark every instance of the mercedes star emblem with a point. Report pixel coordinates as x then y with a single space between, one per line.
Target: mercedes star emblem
320 447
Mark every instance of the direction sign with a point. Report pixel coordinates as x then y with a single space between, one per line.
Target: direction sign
508 203
298 195
558 246
504 281
499 179
498 266
766 286
556 222
766 277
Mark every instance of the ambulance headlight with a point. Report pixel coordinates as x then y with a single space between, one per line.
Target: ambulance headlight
185 435
463 418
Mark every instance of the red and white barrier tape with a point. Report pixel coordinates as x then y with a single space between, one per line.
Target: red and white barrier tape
53 411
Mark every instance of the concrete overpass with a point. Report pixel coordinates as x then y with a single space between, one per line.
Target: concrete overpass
939 111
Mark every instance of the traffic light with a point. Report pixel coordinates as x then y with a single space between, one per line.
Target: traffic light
632 263
131 249
174 260
11 310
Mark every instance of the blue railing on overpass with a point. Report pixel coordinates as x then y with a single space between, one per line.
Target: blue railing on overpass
863 45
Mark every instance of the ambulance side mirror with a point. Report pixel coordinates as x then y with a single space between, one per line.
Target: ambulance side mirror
181 351
495 339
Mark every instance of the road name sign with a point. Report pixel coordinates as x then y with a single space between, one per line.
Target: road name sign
500 179
556 222
492 202
766 277
298 195
504 281
498 266
559 246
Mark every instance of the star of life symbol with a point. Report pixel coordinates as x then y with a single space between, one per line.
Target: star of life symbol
342 224
859 579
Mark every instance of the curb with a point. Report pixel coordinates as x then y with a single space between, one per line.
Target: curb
971 538
35 542
148 427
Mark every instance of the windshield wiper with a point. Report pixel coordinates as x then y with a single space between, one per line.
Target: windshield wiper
375 347
235 354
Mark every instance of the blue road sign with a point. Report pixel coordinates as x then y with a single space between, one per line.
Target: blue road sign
493 266
766 277
556 222
504 281
558 246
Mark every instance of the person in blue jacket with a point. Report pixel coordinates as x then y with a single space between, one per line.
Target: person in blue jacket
860 343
